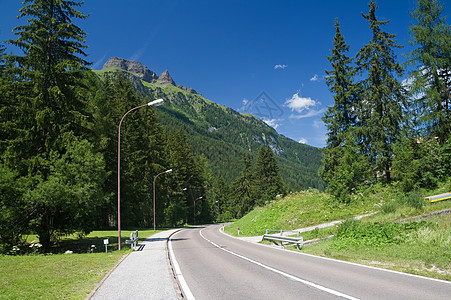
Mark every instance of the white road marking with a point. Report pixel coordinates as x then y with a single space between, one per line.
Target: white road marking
185 289
322 288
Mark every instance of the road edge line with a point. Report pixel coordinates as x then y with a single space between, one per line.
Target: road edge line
186 292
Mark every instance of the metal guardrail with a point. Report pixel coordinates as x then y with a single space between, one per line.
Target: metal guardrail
284 240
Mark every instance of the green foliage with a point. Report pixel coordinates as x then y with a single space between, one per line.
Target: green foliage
44 112
345 169
71 197
352 233
415 199
299 210
266 180
383 98
13 221
431 58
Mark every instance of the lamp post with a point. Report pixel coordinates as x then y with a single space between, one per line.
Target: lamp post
167 171
194 211
152 103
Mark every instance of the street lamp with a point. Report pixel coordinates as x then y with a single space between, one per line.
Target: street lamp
167 171
194 211
152 103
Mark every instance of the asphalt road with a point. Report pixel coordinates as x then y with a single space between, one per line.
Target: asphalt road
216 266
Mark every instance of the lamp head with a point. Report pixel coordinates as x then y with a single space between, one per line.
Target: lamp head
157 102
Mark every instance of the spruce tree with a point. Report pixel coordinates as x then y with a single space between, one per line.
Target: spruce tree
431 57
342 116
382 103
47 112
44 114
266 180
242 199
342 123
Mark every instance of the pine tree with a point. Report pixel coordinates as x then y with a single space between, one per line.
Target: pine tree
266 180
179 207
342 123
342 116
44 113
431 57
47 115
241 195
383 99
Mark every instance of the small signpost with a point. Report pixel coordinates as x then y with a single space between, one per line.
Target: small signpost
106 242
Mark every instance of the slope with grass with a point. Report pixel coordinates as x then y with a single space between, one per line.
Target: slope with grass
403 234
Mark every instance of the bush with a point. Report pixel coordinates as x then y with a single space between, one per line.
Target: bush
414 199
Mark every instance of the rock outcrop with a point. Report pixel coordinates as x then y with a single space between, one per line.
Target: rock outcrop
132 66
165 78
137 69
187 89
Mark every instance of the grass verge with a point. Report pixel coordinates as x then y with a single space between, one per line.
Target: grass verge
63 276
60 276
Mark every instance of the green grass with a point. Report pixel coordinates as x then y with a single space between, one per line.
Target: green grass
68 276
299 210
425 252
84 244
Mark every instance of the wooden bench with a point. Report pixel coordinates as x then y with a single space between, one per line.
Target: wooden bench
284 240
133 241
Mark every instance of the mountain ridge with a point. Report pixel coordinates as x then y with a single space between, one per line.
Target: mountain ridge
222 134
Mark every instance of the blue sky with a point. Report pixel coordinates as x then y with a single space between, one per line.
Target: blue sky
263 57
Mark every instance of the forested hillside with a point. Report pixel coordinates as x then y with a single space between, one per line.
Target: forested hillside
223 135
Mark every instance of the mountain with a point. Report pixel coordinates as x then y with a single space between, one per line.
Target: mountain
223 135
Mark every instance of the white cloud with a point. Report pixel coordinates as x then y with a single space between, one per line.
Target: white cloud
309 114
314 78
299 104
303 141
274 123
318 123
280 67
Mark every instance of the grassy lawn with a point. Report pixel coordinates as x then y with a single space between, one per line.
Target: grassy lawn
68 276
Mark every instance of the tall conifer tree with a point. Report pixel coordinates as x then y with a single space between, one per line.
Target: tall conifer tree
341 117
266 180
48 114
44 115
383 99
431 57
341 154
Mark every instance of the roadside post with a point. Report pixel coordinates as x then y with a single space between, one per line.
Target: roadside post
106 242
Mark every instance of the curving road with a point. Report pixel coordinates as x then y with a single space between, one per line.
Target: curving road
216 266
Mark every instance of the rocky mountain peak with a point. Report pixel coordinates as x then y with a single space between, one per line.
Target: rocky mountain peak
132 66
165 78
